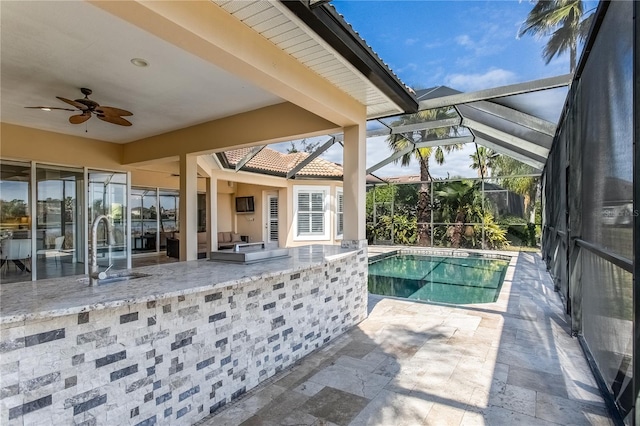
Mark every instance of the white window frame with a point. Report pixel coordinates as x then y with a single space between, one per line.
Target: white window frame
339 192
325 190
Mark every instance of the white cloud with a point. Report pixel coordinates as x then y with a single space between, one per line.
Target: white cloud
470 82
464 40
411 66
411 41
433 44
490 42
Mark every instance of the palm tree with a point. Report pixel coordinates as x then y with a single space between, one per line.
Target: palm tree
526 186
563 21
483 160
461 203
399 142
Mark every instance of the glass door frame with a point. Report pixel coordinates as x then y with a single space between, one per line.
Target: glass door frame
33 201
126 213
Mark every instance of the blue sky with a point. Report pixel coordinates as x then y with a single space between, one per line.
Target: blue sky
466 45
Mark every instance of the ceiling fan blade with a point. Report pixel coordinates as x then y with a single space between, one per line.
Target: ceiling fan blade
46 108
78 105
112 111
114 120
80 118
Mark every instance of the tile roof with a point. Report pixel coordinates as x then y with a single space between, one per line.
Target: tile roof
274 162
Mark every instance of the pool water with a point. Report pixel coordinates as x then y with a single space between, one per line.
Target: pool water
456 280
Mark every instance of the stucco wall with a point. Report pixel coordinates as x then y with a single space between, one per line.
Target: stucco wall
225 213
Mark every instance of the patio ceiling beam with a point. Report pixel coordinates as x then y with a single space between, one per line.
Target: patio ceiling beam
416 145
538 148
515 116
230 133
427 125
311 157
526 158
254 151
497 92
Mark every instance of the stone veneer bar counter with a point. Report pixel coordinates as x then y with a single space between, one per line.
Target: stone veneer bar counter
173 347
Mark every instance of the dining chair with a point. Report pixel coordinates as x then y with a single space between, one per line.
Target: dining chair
59 242
17 251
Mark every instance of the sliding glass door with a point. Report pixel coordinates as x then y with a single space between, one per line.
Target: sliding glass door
60 239
15 221
108 196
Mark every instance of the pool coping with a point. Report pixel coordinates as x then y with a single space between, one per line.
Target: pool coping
507 279
443 252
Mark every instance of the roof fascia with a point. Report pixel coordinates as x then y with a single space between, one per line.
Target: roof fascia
329 25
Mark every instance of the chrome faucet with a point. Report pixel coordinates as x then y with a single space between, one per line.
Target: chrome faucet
95 274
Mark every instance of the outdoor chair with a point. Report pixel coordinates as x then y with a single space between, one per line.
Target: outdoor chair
17 251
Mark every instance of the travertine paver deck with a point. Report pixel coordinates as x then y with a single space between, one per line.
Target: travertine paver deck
512 362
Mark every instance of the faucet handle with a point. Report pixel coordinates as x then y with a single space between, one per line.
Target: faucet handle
102 275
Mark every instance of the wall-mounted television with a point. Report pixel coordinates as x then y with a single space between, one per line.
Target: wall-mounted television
245 205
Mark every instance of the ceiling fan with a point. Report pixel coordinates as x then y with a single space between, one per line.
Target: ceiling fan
86 107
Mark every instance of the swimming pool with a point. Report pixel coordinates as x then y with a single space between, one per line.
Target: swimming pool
456 280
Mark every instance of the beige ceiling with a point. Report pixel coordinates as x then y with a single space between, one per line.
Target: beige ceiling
54 48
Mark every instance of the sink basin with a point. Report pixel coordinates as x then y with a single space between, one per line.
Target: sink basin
116 277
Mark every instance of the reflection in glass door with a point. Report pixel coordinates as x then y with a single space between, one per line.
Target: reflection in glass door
169 203
108 196
15 222
144 220
59 225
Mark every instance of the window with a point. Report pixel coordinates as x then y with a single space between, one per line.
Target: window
311 212
339 213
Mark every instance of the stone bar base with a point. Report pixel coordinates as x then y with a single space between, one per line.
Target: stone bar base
175 360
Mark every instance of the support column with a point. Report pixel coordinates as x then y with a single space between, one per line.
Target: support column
212 214
354 186
188 207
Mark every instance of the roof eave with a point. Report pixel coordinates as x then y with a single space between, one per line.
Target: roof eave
329 25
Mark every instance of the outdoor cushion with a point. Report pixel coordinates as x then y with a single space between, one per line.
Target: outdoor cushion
226 237
236 238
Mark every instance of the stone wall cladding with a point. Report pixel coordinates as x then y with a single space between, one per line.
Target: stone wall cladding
174 360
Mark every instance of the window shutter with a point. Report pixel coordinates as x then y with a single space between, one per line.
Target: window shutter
304 223
317 223
303 201
311 212
317 202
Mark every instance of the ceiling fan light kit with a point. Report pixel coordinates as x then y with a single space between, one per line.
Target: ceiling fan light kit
87 107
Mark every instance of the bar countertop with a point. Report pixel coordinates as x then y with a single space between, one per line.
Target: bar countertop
34 300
